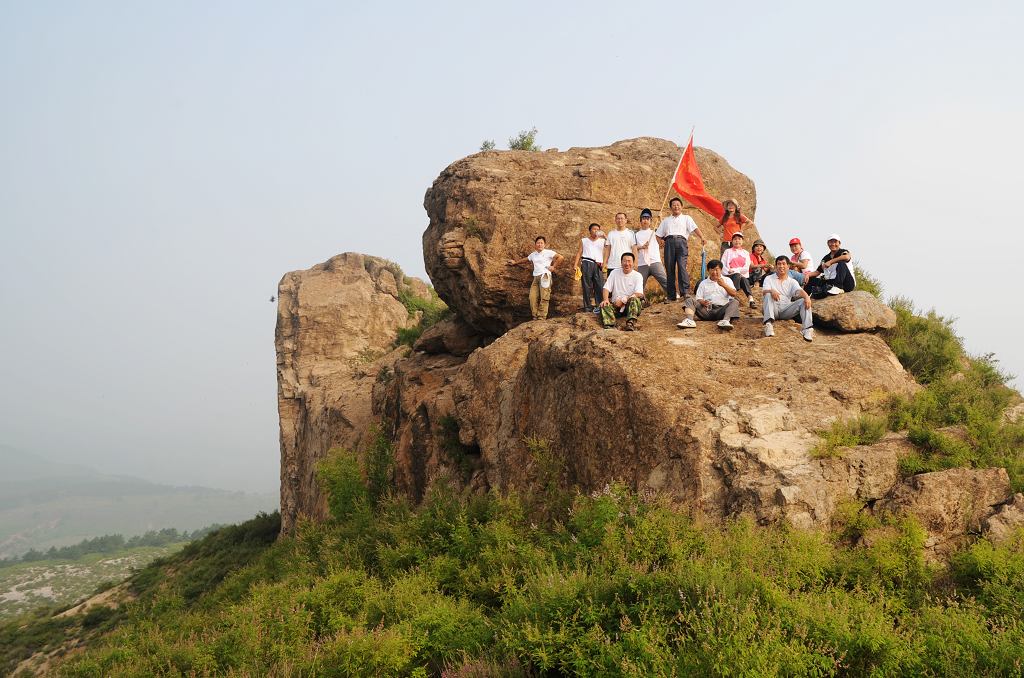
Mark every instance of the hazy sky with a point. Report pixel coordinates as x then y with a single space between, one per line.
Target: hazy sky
163 164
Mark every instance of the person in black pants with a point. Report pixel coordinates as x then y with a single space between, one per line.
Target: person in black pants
834 274
673 233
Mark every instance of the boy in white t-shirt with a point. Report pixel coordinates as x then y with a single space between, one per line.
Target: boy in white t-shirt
623 294
782 300
544 262
618 241
716 299
648 254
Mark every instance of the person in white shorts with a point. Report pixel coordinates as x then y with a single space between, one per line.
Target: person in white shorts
544 262
716 299
785 299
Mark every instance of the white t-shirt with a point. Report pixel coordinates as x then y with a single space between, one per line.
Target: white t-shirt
594 249
788 288
803 256
541 260
682 225
652 253
736 261
711 291
620 242
620 285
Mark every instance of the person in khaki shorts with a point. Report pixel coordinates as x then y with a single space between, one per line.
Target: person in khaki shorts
544 262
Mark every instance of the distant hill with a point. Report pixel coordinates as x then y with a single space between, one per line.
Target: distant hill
44 504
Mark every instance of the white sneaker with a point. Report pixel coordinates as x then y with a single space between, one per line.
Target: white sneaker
809 334
835 290
687 323
769 330
751 302
725 324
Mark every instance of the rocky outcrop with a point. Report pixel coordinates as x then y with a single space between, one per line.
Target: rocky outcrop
721 422
1007 519
452 336
336 328
951 505
488 207
856 311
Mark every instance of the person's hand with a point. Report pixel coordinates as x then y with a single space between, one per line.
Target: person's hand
807 303
551 269
510 262
775 295
604 303
704 303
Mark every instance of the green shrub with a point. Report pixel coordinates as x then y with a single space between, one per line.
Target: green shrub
867 282
431 311
487 145
925 345
524 141
865 429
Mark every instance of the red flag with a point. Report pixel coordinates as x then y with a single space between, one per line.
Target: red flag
689 184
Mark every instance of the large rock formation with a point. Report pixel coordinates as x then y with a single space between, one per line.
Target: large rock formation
336 328
488 207
856 311
722 422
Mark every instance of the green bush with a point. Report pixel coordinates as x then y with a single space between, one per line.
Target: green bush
862 430
431 311
867 282
526 140
925 345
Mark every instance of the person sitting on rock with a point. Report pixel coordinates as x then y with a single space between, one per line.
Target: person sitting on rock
648 254
716 299
618 241
800 261
759 266
732 222
781 292
589 259
833 275
674 233
623 294
544 262
736 267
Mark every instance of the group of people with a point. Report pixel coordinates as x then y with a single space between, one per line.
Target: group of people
613 269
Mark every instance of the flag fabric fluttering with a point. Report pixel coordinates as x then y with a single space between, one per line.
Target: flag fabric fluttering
688 183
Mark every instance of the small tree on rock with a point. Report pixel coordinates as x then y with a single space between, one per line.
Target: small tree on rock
488 145
524 141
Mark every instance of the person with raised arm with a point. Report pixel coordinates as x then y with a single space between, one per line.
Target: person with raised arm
544 262
733 220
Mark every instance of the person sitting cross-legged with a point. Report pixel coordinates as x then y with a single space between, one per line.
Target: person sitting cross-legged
782 300
623 294
716 299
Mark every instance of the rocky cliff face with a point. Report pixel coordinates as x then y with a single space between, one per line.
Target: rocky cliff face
336 328
488 208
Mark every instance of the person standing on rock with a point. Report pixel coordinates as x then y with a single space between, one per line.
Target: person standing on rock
589 260
782 300
544 262
800 261
716 299
618 241
623 294
732 222
674 233
648 254
736 267
833 275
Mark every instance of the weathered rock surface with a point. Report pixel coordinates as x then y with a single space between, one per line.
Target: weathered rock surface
488 208
856 311
452 336
721 422
1007 519
950 504
336 328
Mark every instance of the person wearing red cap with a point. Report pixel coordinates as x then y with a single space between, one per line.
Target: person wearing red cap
800 261
833 275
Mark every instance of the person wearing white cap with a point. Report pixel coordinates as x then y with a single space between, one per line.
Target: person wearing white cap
833 275
782 300
544 262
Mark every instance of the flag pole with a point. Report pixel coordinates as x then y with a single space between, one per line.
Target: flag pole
664 200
